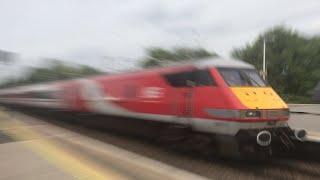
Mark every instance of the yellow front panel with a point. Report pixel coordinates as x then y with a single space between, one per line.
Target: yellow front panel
259 97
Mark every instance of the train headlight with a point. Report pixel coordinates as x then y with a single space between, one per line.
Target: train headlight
253 114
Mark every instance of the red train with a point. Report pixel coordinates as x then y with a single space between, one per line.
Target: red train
224 99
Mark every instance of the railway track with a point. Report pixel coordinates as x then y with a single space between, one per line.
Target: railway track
299 166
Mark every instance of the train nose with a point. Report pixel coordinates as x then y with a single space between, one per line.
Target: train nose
264 138
300 134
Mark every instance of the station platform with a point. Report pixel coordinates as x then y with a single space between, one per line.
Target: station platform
31 149
306 116
305 108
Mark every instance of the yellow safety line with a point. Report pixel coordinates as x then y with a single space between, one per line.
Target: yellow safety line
77 167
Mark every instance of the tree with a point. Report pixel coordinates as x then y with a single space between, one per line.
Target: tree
56 70
293 60
158 56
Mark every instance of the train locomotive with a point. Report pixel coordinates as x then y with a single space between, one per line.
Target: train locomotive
225 100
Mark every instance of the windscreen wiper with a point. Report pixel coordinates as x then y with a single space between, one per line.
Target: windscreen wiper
244 79
250 79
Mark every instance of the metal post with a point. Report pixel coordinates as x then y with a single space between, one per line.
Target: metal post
264 59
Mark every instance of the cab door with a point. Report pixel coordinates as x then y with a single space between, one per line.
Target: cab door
192 92
182 84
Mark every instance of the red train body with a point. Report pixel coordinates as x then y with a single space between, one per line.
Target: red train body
224 98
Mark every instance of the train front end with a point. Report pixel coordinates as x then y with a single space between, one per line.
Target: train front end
257 116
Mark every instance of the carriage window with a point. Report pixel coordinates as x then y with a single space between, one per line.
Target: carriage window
233 78
203 78
45 94
179 79
241 77
254 77
199 77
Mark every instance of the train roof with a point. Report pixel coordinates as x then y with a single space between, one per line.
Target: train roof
169 67
214 62
232 63
183 65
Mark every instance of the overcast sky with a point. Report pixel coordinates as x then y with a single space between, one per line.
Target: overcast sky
84 30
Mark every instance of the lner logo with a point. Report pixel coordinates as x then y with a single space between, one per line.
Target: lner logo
152 92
